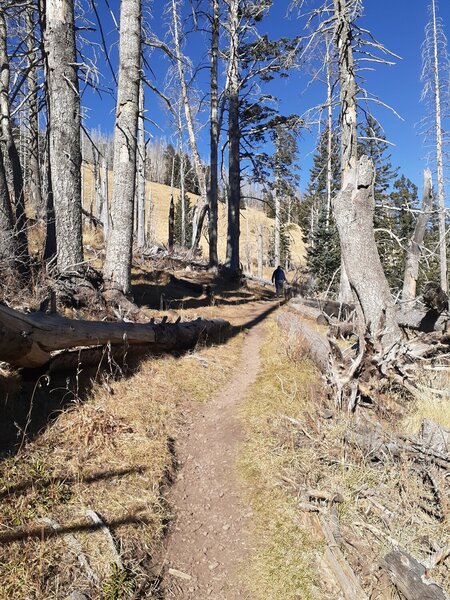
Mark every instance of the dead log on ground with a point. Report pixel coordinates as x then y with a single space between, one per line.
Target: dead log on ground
410 577
28 340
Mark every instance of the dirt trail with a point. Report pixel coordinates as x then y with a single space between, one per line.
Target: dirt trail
207 541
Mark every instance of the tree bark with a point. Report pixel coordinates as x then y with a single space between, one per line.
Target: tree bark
353 210
409 576
171 224
28 340
33 115
141 151
7 238
413 255
439 156
200 213
64 132
234 170
20 224
214 139
117 267
348 116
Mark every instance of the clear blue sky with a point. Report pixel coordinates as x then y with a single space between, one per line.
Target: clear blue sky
398 24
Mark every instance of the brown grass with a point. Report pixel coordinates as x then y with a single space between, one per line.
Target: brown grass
112 454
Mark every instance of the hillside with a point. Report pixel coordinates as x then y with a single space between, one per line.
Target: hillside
251 220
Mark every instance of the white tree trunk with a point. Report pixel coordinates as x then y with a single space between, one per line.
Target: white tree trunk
439 158
64 136
141 181
277 237
234 169
413 255
117 267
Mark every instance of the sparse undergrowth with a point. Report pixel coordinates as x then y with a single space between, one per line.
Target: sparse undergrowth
298 444
112 455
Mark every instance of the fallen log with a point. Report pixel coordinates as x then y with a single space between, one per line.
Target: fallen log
422 319
410 577
29 340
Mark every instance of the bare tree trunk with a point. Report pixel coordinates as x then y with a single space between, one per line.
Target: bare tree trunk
329 129
33 115
213 189
7 237
277 237
171 224
439 158
104 211
141 171
260 251
234 169
354 206
64 131
348 90
200 213
413 255
117 267
20 225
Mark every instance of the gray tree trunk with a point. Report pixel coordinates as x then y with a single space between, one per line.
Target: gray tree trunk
348 117
104 211
234 169
353 209
140 196
213 188
20 225
439 156
7 237
64 132
117 267
413 255
35 181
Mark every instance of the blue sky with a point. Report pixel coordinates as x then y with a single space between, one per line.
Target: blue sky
398 24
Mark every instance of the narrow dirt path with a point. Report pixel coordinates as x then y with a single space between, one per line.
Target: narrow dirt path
208 541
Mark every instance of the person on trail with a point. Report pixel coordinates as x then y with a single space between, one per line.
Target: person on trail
279 279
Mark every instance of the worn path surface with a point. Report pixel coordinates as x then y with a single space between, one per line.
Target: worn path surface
208 539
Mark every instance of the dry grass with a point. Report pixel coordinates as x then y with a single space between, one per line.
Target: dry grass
385 504
112 454
282 564
434 403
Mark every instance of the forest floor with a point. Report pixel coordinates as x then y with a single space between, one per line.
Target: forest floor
198 464
208 539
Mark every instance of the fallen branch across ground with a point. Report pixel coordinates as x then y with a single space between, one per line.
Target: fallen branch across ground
29 340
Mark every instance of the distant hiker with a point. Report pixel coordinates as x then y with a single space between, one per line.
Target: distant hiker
279 279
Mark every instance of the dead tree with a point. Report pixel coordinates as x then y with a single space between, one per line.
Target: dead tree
435 64
30 340
213 188
202 208
117 267
20 221
64 131
234 140
413 255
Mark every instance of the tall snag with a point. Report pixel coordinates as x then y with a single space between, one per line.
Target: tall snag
64 131
117 267
354 206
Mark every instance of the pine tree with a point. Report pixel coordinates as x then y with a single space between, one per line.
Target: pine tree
324 254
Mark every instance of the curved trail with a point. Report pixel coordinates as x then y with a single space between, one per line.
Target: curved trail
207 541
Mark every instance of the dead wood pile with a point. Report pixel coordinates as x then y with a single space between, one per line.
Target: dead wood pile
389 535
